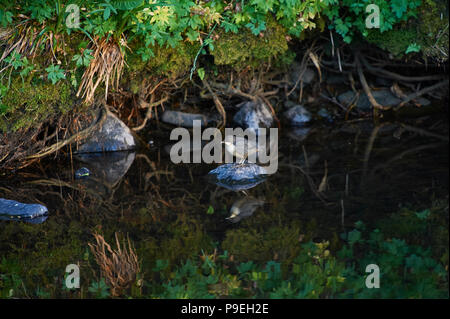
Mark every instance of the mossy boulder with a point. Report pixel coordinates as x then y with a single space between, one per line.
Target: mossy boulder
243 49
167 62
30 103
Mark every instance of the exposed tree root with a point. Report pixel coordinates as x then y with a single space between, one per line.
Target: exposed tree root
218 104
365 86
422 92
398 77
78 136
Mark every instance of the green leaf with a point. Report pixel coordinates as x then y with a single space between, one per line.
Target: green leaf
399 7
354 236
413 47
423 214
99 289
106 13
210 210
127 4
55 73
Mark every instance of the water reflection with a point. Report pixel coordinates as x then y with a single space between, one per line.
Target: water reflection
164 206
106 169
244 208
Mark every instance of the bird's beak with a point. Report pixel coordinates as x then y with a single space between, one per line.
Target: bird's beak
233 215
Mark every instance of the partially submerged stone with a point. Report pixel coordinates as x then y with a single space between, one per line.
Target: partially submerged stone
384 97
13 210
253 115
112 136
183 119
296 76
238 177
297 115
82 173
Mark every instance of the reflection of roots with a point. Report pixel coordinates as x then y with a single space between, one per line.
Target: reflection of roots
106 67
119 267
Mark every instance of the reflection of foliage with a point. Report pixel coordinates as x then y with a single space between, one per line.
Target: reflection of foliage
120 267
268 256
406 271
99 289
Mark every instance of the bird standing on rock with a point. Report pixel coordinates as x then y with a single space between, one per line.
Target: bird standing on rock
241 148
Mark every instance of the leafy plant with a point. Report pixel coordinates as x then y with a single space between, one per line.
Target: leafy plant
84 58
413 47
55 73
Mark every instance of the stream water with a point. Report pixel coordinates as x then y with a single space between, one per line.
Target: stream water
171 211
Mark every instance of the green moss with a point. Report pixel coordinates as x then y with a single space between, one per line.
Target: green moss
394 41
29 104
167 61
429 30
433 29
243 49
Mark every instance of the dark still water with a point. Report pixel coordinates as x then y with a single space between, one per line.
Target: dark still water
393 178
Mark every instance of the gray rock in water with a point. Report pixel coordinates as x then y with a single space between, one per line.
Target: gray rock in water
238 177
183 119
297 115
112 136
423 101
334 79
383 81
13 210
295 72
253 115
384 97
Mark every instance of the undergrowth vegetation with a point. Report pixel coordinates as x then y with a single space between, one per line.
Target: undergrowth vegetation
88 43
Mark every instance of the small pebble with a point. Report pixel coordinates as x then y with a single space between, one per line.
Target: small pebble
82 173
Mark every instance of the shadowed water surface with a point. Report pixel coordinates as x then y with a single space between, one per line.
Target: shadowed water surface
329 177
